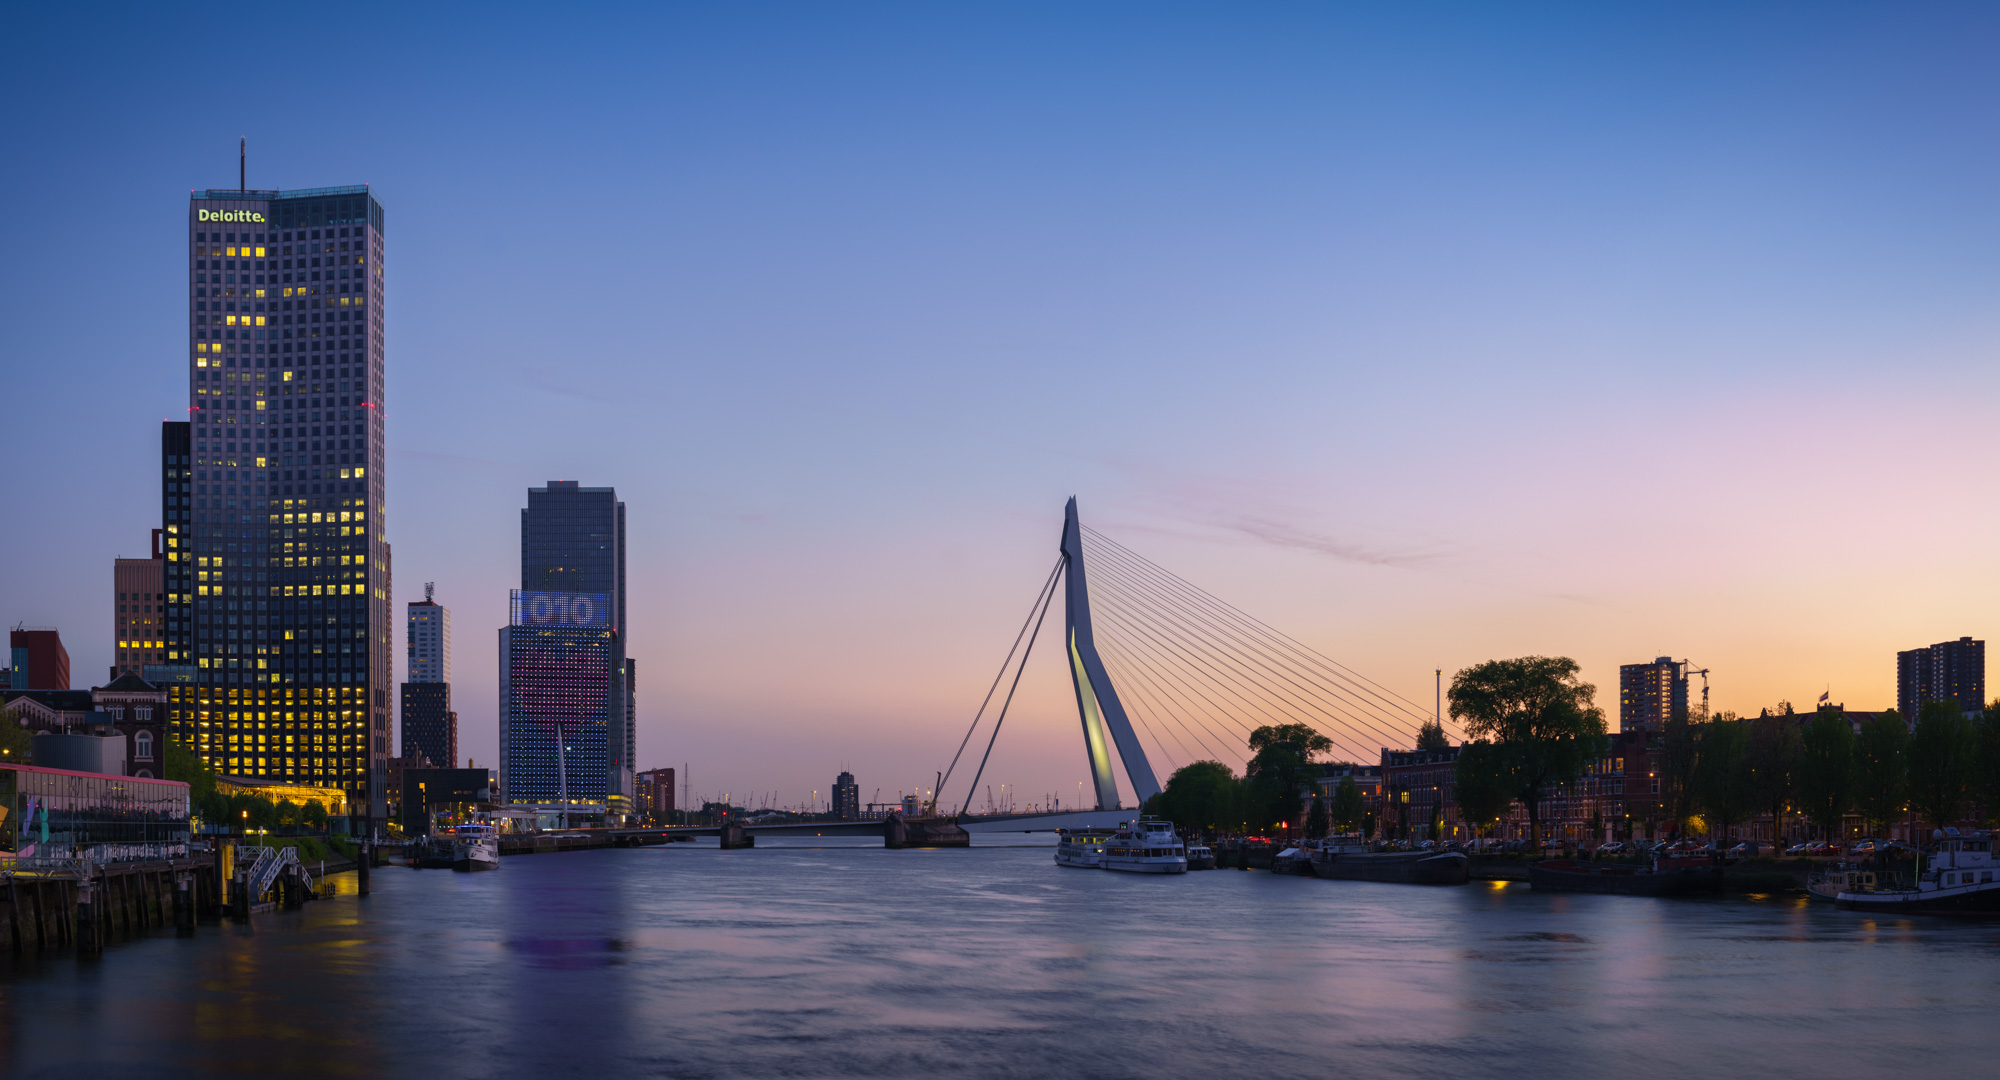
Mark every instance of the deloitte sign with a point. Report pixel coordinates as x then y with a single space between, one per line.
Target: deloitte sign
229 215
555 609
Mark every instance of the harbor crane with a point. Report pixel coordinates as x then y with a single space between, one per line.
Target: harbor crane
1687 669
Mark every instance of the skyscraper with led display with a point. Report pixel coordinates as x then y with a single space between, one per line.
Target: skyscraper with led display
560 701
290 557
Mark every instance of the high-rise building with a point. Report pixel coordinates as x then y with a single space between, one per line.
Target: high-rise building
39 660
1651 694
430 727
1949 670
176 543
846 798
653 790
138 613
291 633
573 542
560 700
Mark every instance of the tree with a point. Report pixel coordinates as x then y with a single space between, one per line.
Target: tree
1724 783
313 815
287 813
1430 737
1774 766
1826 770
1678 742
180 763
1943 749
255 812
1317 819
1881 768
1198 796
1540 718
1986 767
1281 765
1482 784
16 745
1348 807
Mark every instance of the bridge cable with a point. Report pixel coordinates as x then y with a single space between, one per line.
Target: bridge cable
1040 602
1255 651
1048 595
1221 671
1189 628
1262 629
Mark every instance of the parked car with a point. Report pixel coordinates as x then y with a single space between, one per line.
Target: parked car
1867 846
1818 849
1749 849
1613 850
1803 847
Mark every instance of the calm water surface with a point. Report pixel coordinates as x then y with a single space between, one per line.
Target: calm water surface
687 961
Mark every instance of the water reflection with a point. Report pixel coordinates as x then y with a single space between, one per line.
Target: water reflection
838 959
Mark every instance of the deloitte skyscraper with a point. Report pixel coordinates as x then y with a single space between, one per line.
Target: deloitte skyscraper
288 594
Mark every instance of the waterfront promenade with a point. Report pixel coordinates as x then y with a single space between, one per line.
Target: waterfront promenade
849 960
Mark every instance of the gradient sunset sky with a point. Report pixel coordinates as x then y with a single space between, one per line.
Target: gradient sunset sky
1428 333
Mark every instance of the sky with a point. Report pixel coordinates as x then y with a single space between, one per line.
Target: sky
1429 334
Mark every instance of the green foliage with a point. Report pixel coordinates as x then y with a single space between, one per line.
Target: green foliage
16 744
1775 746
180 763
1430 737
1724 783
1198 796
1881 768
1484 785
1317 819
1826 770
1986 766
254 812
1678 743
1943 752
1348 808
1540 718
313 816
1280 769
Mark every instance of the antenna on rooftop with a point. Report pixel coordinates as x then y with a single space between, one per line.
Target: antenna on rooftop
429 587
242 163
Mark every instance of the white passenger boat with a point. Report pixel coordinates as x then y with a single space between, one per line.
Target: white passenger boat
1082 847
1146 847
475 847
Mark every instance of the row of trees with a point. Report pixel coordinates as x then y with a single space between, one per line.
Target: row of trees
1940 770
243 811
1282 773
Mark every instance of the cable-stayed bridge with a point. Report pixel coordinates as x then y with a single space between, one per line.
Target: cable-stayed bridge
1163 671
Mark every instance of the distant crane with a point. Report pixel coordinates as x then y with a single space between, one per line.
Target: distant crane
1688 668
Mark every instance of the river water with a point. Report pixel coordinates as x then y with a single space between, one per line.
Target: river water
803 961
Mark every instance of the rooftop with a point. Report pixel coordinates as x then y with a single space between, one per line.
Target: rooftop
271 196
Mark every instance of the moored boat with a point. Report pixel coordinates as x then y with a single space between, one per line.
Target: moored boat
1959 881
1829 884
1083 848
1200 857
475 847
1350 859
1665 876
1146 847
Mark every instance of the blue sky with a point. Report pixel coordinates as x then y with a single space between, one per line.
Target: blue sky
1429 334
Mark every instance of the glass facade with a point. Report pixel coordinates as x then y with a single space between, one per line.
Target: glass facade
554 681
289 581
573 542
52 814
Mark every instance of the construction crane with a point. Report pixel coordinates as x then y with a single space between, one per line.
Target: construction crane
1687 669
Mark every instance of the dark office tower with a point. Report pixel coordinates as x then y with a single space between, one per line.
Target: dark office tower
430 728
560 700
291 559
1949 670
1650 694
177 552
846 798
573 542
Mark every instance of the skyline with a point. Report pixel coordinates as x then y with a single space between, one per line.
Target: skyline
1375 325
